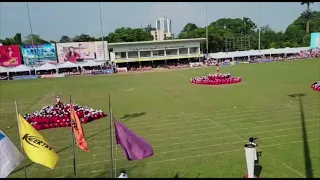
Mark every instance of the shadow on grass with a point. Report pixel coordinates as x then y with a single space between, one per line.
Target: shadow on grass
127 117
307 159
106 173
257 170
177 175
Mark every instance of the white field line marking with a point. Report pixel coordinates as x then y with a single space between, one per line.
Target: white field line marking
254 108
226 116
236 119
201 139
224 112
238 137
190 130
215 138
174 159
290 168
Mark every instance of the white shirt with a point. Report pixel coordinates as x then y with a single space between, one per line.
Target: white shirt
253 143
123 175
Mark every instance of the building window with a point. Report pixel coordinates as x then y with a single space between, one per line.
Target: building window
171 52
145 53
194 50
120 55
183 51
133 54
158 52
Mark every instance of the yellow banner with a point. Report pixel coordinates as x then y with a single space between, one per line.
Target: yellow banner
35 146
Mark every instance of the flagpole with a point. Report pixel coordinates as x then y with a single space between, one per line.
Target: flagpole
104 53
22 152
115 153
111 141
260 14
73 145
207 41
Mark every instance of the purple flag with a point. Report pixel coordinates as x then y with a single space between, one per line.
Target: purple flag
133 146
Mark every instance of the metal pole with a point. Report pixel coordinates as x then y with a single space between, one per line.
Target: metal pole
104 53
22 151
207 41
111 141
30 23
260 14
31 30
73 144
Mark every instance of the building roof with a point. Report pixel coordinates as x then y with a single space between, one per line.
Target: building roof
155 42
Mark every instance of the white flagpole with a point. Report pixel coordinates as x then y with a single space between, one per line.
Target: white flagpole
260 14
111 139
22 151
207 41
104 53
73 144
32 42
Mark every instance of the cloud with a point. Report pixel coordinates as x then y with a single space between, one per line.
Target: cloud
180 13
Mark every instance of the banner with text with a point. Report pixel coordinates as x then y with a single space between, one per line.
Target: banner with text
81 51
39 54
10 55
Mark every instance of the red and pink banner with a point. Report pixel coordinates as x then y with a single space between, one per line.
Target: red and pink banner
10 55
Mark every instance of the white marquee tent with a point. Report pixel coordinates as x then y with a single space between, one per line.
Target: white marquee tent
21 68
67 65
45 67
4 69
90 63
252 52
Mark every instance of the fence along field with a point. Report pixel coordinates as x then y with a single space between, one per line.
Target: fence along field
195 131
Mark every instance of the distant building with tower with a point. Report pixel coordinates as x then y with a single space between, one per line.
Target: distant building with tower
163 29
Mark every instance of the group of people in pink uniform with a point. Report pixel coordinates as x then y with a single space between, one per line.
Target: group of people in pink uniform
316 86
58 115
216 79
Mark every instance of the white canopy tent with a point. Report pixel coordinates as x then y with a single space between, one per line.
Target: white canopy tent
252 52
67 64
4 70
21 68
90 63
46 67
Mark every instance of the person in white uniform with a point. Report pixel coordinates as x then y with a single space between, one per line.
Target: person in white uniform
253 142
123 174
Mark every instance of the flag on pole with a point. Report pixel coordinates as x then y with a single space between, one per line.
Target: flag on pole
10 157
35 145
133 146
77 130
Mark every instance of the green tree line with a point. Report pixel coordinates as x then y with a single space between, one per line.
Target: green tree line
220 32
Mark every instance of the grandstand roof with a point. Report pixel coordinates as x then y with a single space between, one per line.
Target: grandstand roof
156 42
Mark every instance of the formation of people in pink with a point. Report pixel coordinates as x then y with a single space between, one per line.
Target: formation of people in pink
316 86
216 79
58 115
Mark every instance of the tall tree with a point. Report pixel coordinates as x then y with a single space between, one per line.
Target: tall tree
83 38
64 39
129 35
308 15
35 39
17 39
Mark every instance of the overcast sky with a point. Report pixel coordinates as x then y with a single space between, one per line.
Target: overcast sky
51 20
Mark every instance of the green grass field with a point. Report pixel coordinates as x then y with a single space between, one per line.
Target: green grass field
195 130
